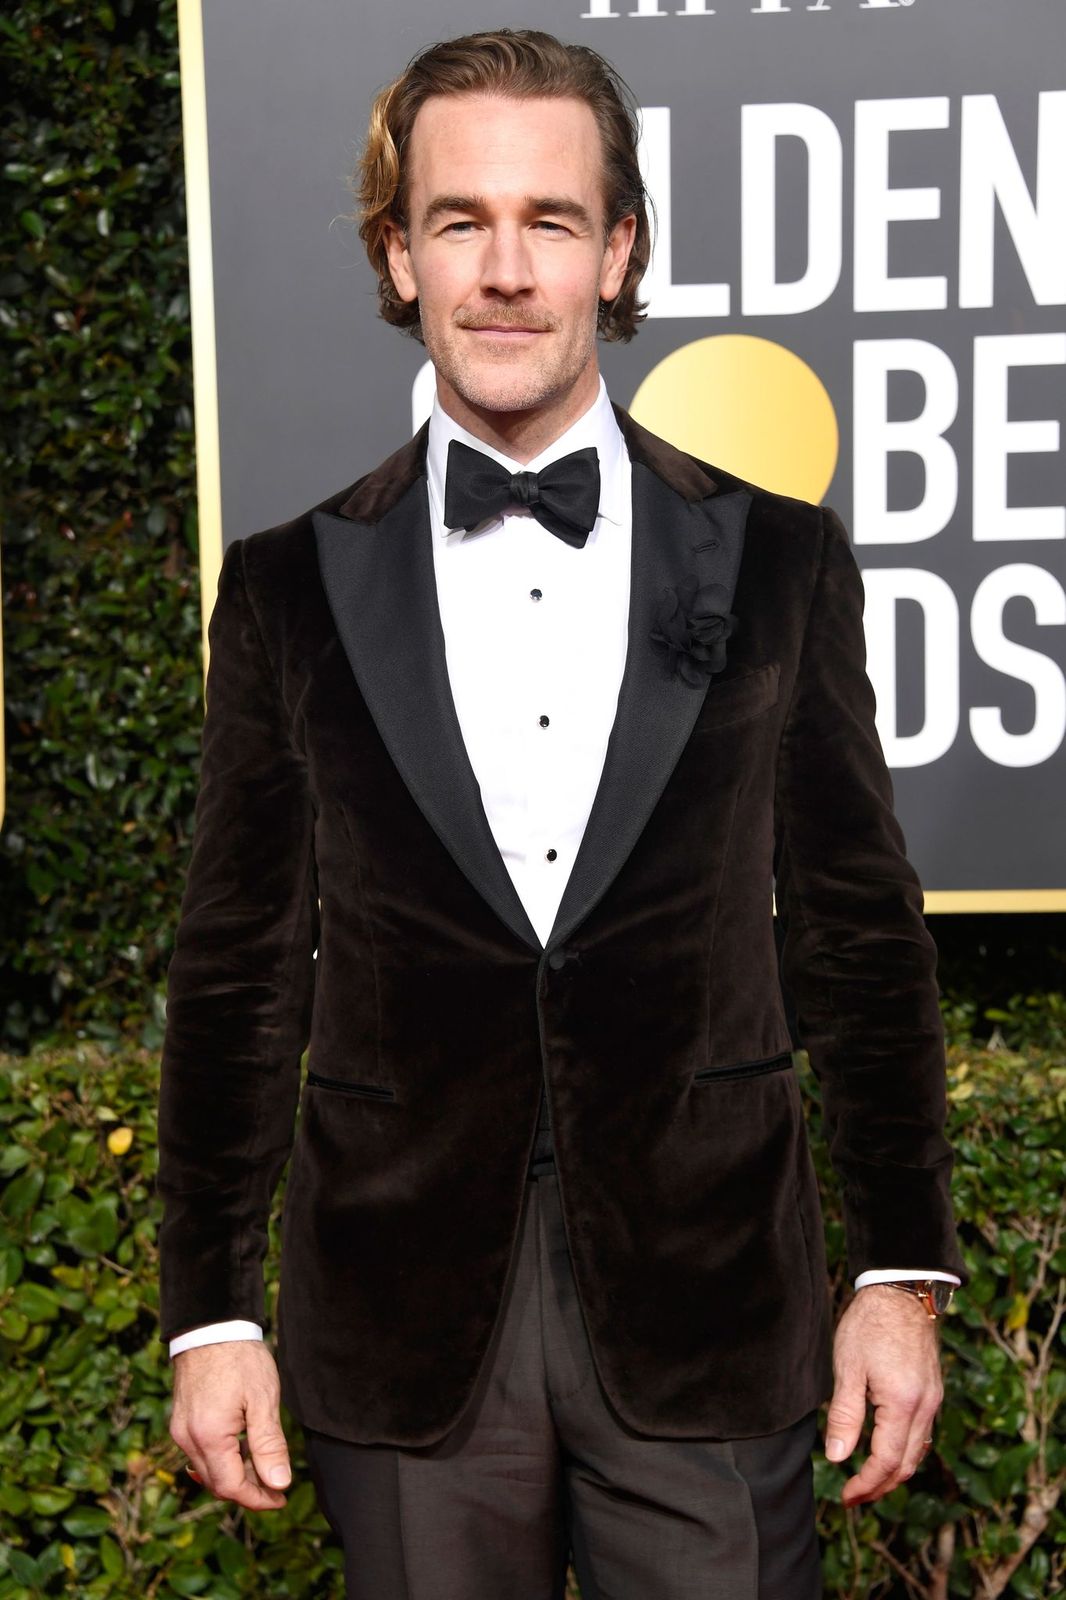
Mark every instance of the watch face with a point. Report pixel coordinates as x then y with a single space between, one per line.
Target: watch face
941 1295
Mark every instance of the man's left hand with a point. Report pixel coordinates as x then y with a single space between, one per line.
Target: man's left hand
886 1348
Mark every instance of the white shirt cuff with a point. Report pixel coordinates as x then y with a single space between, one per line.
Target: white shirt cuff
888 1274
215 1333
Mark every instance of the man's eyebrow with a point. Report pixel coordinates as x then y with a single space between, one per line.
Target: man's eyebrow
552 205
559 206
442 204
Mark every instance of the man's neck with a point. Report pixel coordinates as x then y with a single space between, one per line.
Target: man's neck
522 435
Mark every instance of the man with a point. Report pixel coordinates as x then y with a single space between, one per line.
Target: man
506 746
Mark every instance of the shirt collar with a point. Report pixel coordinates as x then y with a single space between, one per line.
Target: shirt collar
598 426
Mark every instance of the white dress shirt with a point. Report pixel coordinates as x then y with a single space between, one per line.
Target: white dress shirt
535 635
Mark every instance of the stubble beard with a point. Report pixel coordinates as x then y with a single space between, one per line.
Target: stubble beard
516 380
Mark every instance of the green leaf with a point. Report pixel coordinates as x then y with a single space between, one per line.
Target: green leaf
98 774
13 1158
1009 1473
111 1558
188 1580
13 1500
36 1303
10 1265
22 1194
50 1502
85 1522
96 1233
24 1567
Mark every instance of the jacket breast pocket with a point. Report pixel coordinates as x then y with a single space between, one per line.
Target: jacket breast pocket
739 698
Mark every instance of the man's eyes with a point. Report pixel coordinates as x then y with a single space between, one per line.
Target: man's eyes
543 223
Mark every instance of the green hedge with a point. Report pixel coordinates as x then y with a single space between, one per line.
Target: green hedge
102 615
94 1501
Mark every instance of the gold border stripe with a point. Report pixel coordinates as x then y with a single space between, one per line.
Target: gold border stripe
995 900
939 900
202 303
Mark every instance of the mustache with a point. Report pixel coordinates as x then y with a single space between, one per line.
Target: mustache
508 317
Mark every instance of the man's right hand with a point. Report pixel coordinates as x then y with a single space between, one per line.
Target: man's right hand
220 1390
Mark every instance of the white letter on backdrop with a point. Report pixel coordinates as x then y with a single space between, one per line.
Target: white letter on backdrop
876 438
990 172
761 128
1042 674
884 587
876 205
996 438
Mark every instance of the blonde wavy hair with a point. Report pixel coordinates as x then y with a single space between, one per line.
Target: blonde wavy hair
523 63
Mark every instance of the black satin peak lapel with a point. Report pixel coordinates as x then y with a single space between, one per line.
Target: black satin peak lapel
382 592
672 537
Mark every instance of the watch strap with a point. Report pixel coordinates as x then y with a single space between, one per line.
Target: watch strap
934 1293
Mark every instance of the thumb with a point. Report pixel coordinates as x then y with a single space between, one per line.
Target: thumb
268 1449
847 1413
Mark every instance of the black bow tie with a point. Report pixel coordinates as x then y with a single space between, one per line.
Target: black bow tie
564 496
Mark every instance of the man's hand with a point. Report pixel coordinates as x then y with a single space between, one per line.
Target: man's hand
220 1389
886 1345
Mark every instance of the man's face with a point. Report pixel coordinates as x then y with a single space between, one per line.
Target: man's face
505 250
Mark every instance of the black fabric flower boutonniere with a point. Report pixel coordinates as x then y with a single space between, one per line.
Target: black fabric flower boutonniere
693 625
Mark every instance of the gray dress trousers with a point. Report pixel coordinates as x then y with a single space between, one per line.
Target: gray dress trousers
539 1471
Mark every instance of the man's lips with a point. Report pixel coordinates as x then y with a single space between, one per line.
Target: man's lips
509 326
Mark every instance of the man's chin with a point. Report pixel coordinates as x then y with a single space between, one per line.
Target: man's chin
506 389
523 377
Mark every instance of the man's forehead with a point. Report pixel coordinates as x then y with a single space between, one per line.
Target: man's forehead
485 128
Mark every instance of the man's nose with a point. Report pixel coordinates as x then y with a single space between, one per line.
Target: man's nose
507 267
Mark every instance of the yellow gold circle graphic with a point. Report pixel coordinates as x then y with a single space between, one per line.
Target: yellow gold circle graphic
747 405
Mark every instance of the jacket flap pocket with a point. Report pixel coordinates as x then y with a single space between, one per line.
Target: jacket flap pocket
744 1069
371 1091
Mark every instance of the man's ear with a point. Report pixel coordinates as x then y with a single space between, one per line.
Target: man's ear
616 256
399 257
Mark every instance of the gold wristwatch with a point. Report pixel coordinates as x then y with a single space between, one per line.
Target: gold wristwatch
934 1293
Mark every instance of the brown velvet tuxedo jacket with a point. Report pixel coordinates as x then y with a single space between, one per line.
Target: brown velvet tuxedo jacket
339 813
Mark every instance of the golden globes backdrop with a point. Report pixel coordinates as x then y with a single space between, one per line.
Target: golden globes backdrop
857 296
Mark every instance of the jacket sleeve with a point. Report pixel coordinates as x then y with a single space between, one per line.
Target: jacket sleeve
857 958
239 986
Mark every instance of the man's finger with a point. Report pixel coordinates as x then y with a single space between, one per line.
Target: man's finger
847 1413
877 1476
227 1479
264 1496
888 1443
223 1464
919 1438
268 1446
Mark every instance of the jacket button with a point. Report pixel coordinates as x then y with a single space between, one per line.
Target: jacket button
558 958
